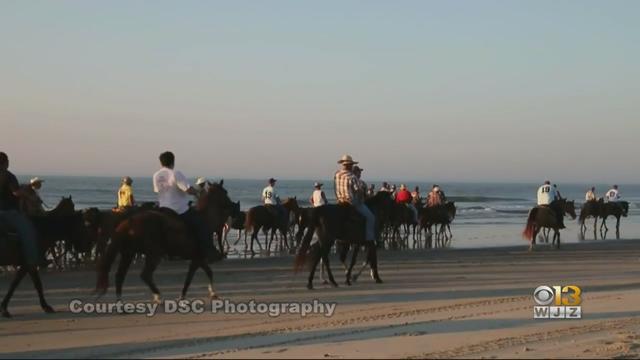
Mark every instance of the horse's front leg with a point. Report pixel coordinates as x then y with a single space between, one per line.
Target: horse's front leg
207 270
14 284
121 273
372 259
37 283
617 227
354 258
325 260
150 264
187 282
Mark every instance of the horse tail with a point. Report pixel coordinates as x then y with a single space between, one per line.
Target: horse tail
119 237
248 220
531 225
301 256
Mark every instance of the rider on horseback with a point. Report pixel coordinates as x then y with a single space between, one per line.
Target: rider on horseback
591 195
548 197
435 197
30 202
613 195
271 201
318 198
10 192
172 188
404 197
347 187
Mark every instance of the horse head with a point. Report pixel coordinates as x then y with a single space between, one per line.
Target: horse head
64 207
624 205
216 204
291 204
570 208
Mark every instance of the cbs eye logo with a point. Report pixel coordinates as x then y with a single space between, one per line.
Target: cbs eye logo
569 295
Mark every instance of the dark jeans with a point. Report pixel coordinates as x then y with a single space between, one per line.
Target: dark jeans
26 234
199 230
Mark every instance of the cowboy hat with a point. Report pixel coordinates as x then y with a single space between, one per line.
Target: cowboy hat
35 180
317 184
272 180
201 181
346 159
403 187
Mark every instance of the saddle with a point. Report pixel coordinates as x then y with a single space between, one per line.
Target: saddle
350 217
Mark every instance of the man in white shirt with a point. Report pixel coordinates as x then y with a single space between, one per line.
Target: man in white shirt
547 195
613 195
591 195
271 200
318 198
173 191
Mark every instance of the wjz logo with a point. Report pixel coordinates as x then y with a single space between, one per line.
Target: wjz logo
557 302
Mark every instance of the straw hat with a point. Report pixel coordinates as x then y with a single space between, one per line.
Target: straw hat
346 159
201 181
403 187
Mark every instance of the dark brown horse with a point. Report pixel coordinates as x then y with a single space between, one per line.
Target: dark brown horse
545 217
590 209
156 233
59 223
615 209
268 218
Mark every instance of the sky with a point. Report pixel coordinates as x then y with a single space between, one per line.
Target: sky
425 90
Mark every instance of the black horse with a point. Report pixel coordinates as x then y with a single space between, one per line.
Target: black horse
344 223
61 223
615 209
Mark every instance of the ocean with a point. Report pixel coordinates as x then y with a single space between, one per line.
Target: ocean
489 214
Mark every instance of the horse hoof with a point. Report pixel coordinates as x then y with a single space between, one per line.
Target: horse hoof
334 284
156 299
48 309
309 286
214 297
5 313
379 281
348 283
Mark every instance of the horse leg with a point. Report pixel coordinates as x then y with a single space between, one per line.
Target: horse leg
150 265
373 262
37 283
595 226
618 227
533 239
207 270
187 282
556 238
325 260
121 273
314 264
354 258
14 284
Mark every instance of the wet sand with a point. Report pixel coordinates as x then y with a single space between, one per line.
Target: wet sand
437 304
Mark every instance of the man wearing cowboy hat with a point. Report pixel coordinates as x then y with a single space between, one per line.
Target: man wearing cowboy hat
318 198
125 194
347 187
31 203
404 197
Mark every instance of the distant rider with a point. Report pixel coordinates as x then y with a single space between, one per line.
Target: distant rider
318 198
30 201
125 194
271 201
613 195
547 197
591 195
404 198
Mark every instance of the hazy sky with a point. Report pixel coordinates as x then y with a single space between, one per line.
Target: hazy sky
424 90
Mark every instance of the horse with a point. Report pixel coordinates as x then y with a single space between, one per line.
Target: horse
402 218
343 222
440 215
262 217
615 209
101 223
237 223
590 209
11 254
156 233
545 217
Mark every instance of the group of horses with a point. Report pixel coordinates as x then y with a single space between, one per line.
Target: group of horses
151 234
396 224
543 219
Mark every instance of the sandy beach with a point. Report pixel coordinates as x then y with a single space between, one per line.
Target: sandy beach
435 304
